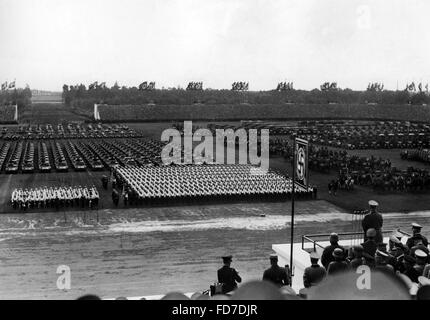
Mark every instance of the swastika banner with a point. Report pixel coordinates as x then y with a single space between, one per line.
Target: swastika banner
302 176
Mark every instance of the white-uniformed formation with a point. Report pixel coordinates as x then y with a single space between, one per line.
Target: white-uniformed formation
147 184
59 197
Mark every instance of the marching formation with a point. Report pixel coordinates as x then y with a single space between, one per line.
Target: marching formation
55 197
201 181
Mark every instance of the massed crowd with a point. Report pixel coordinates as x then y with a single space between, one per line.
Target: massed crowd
144 184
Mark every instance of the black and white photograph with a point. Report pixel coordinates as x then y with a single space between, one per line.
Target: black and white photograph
214 150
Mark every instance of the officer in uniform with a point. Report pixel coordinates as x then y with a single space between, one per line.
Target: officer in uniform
327 255
315 273
358 258
339 264
373 220
228 276
408 267
421 259
381 261
417 237
276 274
370 246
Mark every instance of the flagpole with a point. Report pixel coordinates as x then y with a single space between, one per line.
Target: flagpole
292 211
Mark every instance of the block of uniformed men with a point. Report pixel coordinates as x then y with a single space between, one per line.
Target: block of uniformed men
55 197
164 183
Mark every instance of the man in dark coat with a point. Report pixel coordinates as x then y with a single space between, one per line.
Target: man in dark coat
417 238
373 220
228 276
358 258
339 264
370 246
315 273
327 255
409 270
421 259
276 274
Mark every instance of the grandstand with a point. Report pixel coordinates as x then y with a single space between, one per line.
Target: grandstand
226 112
39 96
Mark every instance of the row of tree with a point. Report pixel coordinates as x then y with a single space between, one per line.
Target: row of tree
80 96
20 97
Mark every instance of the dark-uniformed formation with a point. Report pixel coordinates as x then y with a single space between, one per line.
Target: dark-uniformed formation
55 197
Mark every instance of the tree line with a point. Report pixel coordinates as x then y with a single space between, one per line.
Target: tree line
17 96
82 97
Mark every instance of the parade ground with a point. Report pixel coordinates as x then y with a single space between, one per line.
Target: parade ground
347 200
129 251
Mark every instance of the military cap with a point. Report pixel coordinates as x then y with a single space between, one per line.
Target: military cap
227 258
424 281
416 226
314 255
371 233
338 253
334 235
395 239
397 234
273 257
373 203
420 253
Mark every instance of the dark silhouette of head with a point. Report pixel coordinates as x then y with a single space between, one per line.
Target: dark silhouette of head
334 239
258 290
89 297
273 259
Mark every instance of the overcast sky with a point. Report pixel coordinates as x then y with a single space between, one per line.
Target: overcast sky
47 43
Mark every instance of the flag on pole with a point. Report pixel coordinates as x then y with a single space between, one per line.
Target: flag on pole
12 85
4 86
302 176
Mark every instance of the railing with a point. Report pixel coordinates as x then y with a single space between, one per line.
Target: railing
315 244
